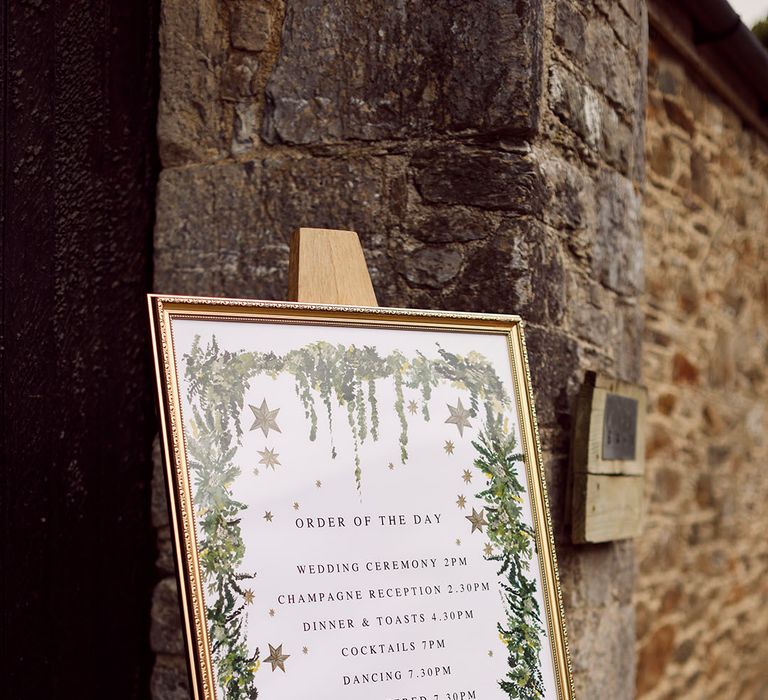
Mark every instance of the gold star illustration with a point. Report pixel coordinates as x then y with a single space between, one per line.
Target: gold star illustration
268 516
448 447
255 471
488 550
277 658
318 483
459 417
461 501
269 458
412 407
477 519
248 596
264 418
295 505
467 476
271 612
391 466
305 650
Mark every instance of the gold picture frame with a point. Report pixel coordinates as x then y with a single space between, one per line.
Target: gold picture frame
212 338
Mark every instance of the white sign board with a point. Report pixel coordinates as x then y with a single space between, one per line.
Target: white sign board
358 505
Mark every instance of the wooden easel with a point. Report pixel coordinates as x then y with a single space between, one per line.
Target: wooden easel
328 267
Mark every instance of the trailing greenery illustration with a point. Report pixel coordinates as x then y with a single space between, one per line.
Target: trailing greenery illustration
499 460
211 449
326 375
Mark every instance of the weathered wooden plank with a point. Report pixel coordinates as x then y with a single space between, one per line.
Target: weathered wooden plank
607 507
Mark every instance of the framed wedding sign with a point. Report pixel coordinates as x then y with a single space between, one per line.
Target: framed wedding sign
357 503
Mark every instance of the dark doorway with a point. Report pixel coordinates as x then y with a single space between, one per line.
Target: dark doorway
79 95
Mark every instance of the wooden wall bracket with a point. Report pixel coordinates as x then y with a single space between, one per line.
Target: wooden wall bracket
608 461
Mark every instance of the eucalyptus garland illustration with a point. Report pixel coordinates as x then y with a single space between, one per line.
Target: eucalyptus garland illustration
326 375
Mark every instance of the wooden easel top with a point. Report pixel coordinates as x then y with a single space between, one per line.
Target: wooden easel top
328 267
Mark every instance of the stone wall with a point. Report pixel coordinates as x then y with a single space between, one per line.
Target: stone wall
702 594
591 150
490 156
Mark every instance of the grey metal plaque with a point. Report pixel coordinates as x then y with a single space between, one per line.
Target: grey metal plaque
619 427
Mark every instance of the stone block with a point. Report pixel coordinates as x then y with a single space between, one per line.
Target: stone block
554 362
628 352
671 77
570 30
224 229
626 20
654 657
165 561
600 575
666 485
661 552
701 180
570 195
684 371
452 224
576 104
250 25
679 115
592 312
245 127
617 255
633 9
661 156
666 404
365 70
611 67
685 651
239 78
165 632
519 270
617 143
159 500
486 179
169 679
190 116
600 671
659 440
432 266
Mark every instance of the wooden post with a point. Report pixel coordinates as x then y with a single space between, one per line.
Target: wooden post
328 267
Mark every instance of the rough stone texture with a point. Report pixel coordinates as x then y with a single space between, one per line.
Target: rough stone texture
373 70
250 25
701 593
225 226
163 635
215 59
487 165
169 679
489 180
591 156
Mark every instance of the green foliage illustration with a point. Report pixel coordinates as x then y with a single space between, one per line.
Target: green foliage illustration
328 375
499 460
